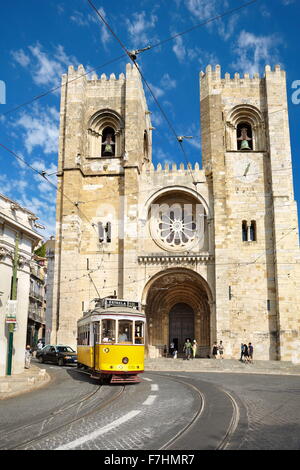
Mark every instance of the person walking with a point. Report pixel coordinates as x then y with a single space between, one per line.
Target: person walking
242 352
245 353
250 352
221 349
215 350
194 348
187 348
27 357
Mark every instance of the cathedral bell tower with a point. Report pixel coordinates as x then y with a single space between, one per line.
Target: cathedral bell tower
105 140
247 159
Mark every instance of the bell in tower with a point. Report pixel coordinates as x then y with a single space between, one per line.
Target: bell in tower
108 144
244 140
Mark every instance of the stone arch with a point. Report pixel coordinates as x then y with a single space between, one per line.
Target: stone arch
191 210
249 115
98 122
177 286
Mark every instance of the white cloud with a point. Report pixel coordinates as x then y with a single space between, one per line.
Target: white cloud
204 10
46 69
179 49
167 82
82 19
253 52
193 54
21 58
139 28
39 129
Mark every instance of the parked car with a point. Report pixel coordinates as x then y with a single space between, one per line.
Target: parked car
59 354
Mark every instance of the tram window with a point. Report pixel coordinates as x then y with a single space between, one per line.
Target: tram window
108 331
97 332
125 331
139 332
84 335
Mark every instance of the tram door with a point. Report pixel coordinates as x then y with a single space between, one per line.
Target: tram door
181 325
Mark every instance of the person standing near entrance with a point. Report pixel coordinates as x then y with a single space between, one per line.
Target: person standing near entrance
221 349
215 350
250 352
187 348
194 348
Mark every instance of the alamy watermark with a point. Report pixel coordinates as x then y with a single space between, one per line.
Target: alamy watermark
296 94
2 92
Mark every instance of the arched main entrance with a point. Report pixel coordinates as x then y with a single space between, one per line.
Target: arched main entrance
177 303
181 325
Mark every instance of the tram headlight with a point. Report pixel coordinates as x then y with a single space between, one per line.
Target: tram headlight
125 360
106 350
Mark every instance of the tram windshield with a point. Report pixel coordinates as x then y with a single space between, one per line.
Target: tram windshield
125 331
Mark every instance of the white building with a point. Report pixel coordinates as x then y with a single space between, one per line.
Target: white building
15 222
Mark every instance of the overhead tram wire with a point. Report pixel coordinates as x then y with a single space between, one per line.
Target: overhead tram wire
42 95
132 57
42 174
35 98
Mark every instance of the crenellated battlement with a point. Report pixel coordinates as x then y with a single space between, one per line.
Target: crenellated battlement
131 71
213 76
167 168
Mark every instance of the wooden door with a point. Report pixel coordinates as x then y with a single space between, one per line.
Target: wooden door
181 325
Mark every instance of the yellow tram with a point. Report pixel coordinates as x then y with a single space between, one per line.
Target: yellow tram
111 341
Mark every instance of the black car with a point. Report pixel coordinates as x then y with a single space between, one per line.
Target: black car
59 354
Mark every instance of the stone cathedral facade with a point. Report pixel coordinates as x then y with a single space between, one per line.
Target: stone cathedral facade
212 253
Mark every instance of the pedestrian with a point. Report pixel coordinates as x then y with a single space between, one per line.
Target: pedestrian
245 353
242 352
174 354
187 348
172 347
215 350
27 357
221 349
165 351
194 348
250 352
40 344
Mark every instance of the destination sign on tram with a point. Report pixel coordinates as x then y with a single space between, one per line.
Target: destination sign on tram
121 303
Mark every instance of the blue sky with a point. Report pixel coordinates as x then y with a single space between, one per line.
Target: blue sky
40 38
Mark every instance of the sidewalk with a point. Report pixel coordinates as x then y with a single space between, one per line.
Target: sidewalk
222 365
27 381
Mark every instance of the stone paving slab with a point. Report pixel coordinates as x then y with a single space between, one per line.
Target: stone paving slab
27 381
222 365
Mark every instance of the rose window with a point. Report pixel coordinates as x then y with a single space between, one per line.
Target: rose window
176 228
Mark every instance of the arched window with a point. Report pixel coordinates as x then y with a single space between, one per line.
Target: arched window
249 231
244 136
108 146
244 231
253 231
146 146
245 129
105 135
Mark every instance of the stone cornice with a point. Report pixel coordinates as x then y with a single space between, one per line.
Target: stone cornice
159 258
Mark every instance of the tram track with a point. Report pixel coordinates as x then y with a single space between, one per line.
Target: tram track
195 421
43 421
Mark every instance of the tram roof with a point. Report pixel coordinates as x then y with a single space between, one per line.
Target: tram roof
122 311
